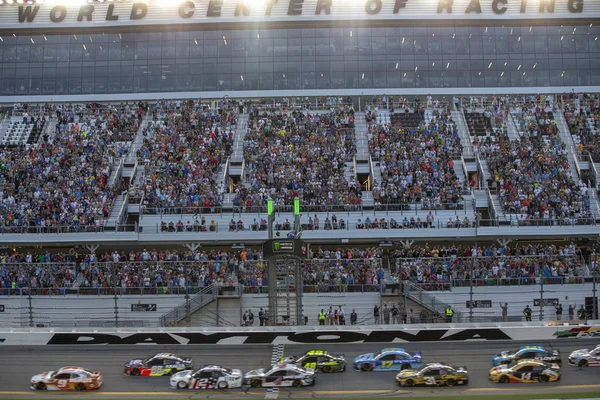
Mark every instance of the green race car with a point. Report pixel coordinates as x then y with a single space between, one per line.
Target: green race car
319 360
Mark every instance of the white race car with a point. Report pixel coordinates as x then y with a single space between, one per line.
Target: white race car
207 377
280 376
585 357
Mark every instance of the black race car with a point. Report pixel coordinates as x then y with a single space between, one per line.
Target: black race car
528 353
319 360
158 365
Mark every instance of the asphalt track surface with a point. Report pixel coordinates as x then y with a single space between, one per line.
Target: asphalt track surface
20 363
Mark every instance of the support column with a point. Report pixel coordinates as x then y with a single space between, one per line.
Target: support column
503 241
192 246
92 248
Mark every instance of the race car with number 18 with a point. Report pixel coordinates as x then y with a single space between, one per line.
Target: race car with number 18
158 365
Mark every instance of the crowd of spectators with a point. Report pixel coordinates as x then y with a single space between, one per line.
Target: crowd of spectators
183 149
291 154
62 182
439 267
531 173
582 113
416 162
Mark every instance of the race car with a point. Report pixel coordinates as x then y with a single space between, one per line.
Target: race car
280 376
525 371
158 365
528 353
67 378
585 357
207 377
319 360
434 374
389 359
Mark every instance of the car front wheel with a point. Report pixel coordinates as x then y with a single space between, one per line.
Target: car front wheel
255 383
582 363
503 379
297 383
450 382
366 367
41 386
222 385
181 385
409 383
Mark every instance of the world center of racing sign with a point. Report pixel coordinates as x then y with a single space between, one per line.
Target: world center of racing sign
74 13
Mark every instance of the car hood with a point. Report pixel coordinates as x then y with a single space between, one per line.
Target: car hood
364 357
182 375
407 373
135 363
499 368
44 376
580 352
255 373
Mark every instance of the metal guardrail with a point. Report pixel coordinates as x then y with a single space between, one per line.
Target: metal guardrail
191 305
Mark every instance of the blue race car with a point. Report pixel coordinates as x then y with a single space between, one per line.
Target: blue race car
528 353
389 359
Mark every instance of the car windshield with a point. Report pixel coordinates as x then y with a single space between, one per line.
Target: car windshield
375 355
52 374
227 371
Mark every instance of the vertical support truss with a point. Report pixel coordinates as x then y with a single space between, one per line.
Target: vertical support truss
285 291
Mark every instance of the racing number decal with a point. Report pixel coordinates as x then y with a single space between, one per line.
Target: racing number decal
61 383
202 384
526 376
429 380
156 369
386 364
312 365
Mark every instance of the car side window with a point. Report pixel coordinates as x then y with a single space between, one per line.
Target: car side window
401 357
526 368
217 374
310 359
528 355
388 357
206 374
432 372
62 376
278 373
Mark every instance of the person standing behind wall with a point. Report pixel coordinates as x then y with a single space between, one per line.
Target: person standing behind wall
322 317
376 314
504 312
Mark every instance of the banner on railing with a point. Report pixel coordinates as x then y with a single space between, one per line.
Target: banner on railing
479 304
1 307
545 302
285 336
143 307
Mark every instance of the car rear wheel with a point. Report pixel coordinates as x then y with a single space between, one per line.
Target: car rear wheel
409 383
366 367
222 385
327 369
297 383
255 383
582 363
135 372
450 382
80 387
503 379
405 366
181 385
544 378
41 386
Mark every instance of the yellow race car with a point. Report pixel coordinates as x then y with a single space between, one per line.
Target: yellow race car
525 371
434 374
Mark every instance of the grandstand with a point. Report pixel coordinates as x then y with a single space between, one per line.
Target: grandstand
428 158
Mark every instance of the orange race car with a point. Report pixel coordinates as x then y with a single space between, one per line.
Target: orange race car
67 378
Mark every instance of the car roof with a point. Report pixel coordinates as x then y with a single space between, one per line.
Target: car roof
72 369
533 348
530 361
164 355
393 350
210 366
316 353
437 365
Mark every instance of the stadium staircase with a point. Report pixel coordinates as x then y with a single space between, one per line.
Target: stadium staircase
513 132
205 296
463 132
362 137
565 135
237 155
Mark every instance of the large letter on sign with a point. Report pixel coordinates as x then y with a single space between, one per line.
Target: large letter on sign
549 4
474 5
58 13
445 5
323 5
138 11
575 6
27 13
373 6
499 10
183 9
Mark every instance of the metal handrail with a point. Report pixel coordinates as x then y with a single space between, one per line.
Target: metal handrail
191 305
